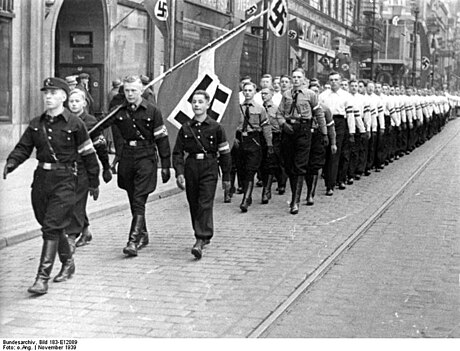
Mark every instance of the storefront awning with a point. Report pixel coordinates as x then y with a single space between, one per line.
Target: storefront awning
315 48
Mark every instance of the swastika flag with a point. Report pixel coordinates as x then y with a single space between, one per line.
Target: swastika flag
216 70
158 11
278 17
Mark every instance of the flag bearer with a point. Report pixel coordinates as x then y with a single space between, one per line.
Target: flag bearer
204 140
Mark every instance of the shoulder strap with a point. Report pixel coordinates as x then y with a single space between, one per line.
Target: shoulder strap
196 139
50 148
247 120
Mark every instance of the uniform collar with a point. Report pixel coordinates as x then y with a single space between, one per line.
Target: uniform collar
250 103
207 120
65 114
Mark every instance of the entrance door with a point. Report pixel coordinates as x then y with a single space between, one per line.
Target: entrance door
96 83
80 44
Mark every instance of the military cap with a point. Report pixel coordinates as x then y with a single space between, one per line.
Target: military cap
71 79
84 76
55 83
116 83
144 79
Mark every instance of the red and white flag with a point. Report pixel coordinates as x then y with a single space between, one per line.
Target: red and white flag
278 17
216 70
158 11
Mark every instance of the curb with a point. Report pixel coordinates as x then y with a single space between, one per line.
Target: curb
33 233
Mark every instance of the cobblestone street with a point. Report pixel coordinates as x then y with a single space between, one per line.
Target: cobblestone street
401 279
255 261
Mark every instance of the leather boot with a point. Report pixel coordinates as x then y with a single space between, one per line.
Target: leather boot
144 239
293 184
232 184
315 182
227 196
309 181
270 179
85 237
197 249
45 267
135 233
65 256
72 242
247 197
282 179
297 195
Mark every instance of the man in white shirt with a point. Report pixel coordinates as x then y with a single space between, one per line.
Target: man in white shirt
337 101
265 82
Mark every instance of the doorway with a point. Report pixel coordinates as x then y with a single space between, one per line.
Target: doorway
80 42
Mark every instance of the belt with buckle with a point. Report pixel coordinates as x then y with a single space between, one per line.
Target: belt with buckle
246 134
202 156
297 120
54 166
135 143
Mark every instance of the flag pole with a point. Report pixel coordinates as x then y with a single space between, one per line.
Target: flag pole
230 34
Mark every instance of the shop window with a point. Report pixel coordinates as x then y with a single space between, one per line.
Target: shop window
130 43
6 18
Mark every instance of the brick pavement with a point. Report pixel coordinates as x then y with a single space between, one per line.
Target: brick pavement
401 279
255 261
17 221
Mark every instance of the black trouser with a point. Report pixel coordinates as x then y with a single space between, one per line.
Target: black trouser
387 146
137 174
380 148
317 158
201 182
250 155
371 150
273 164
53 200
295 148
332 161
362 154
344 161
79 218
354 156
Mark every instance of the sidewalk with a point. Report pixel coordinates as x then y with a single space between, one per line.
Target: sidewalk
17 221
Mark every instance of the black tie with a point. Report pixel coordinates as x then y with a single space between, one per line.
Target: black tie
246 118
294 102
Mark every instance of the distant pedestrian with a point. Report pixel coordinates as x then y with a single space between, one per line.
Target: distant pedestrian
60 138
206 146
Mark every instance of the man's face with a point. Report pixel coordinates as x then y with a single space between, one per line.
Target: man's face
276 84
370 88
386 89
54 98
285 83
402 90
297 79
378 88
392 91
344 85
76 103
397 91
353 87
248 92
265 82
266 94
334 81
327 86
361 88
133 92
199 104
315 88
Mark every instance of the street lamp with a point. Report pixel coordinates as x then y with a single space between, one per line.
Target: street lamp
414 53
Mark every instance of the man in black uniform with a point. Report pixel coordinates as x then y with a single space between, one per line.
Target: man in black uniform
59 137
295 112
204 140
140 125
79 221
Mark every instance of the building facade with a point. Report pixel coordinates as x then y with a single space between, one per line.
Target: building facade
43 38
